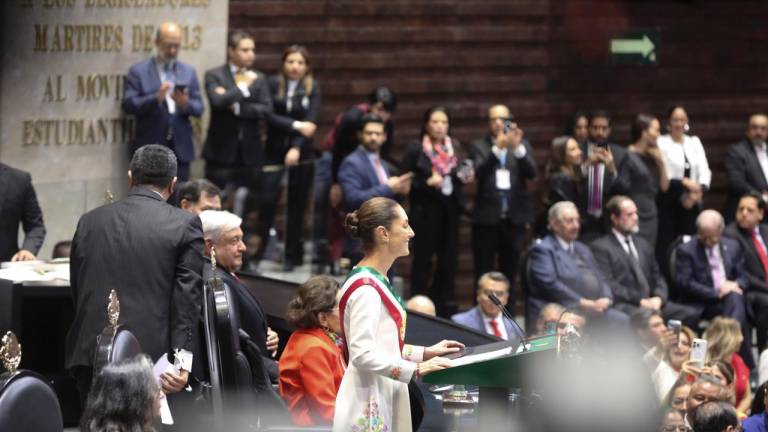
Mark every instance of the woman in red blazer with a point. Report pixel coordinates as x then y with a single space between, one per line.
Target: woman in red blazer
311 366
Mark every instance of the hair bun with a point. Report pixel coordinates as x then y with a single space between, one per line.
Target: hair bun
352 225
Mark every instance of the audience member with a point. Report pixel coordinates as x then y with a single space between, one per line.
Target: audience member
678 394
689 177
564 179
62 249
705 389
709 270
715 417
724 372
19 207
605 174
627 262
758 420
437 200
725 338
647 174
503 162
486 317
578 127
546 322
652 333
753 239
572 318
671 365
421 304
364 175
150 253
292 125
746 164
222 232
197 196
125 397
162 107
311 366
672 421
240 101
563 270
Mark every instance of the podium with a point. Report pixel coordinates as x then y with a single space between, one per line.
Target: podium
496 376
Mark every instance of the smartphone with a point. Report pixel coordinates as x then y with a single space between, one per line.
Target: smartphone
698 351
181 88
509 124
675 326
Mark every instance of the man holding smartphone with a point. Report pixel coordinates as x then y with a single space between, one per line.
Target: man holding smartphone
162 93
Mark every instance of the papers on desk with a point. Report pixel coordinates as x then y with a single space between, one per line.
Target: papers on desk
35 271
476 358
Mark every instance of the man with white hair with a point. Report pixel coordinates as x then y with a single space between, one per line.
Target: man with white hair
709 270
563 270
222 232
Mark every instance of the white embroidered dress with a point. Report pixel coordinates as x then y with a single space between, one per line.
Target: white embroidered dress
373 396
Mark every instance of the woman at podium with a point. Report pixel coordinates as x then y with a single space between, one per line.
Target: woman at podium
373 395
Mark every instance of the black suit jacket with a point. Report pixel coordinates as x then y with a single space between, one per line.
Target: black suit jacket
753 267
346 140
487 209
235 139
693 275
280 134
616 266
18 204
151 253
744 175
416 161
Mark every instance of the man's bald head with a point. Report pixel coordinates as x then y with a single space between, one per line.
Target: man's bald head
420 303
497 114
709 227
757 131
168 41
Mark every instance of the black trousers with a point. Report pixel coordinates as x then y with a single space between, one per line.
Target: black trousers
299 186
437 230
229 177
497 248
757 303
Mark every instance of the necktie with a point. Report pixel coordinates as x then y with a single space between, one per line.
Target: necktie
760 252
495 327
595 192
380 173
714 266
642 281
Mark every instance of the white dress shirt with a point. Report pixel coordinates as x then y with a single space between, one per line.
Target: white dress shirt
762 157
675 154
499 323
243 89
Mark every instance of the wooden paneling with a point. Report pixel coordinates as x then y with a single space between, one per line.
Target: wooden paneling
544 58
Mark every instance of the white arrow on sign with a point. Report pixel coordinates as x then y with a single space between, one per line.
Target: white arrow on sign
642 46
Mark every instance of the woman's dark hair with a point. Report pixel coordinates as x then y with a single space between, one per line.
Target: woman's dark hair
428 115
758 400
362 223
385 97
122 398
570 126
308 81
641 124
557 154
317 294
672 109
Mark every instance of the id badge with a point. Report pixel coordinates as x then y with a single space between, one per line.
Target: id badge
447 186
502 179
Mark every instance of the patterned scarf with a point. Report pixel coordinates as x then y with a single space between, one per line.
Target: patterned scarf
441 155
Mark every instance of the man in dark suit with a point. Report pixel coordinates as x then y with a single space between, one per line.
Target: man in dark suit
486 317
222 232
753 239
606 174
503 163
629 265
710 272
562 270
18 204
364 175
746 164
240 100
151 254
163 93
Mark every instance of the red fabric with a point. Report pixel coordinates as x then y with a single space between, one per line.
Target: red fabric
311 369
760 252
495 327
741 381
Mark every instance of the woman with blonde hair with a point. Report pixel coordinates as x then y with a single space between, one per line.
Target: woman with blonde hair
724 339
671 366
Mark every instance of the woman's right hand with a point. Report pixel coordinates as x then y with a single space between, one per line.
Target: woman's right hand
433 364
690 367
436 180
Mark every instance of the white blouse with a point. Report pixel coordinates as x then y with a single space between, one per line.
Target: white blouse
675 154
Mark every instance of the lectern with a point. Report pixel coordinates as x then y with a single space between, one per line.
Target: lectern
497 375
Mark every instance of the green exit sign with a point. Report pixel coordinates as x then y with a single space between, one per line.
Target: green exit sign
635 47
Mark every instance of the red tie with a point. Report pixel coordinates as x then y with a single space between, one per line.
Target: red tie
495 327
761 252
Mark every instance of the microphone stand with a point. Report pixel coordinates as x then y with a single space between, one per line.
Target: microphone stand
508 316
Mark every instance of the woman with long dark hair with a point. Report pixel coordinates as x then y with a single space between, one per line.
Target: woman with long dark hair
374 391
292 125
436 202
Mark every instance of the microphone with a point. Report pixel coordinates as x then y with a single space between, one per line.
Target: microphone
508 316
